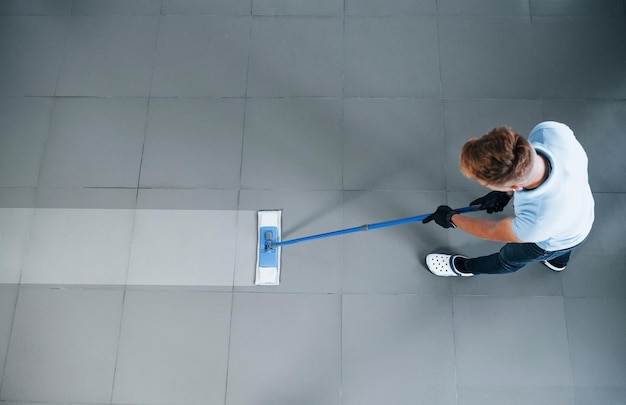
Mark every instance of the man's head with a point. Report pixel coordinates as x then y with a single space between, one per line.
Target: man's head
501 159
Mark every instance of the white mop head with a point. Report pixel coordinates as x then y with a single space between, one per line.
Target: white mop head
268 260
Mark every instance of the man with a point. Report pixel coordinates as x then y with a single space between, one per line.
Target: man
554 207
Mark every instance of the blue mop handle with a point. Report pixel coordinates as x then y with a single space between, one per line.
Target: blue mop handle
368 227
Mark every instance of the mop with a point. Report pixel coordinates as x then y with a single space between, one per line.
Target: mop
269 243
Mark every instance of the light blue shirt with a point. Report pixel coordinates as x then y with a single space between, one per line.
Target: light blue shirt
559 213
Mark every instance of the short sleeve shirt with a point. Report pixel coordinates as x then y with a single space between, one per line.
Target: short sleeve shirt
560 212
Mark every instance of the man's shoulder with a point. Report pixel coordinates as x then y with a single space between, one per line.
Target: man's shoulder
549 131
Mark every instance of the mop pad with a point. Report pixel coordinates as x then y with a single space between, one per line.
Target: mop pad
268 254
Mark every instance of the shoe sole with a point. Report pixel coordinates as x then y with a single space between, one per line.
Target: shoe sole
552 267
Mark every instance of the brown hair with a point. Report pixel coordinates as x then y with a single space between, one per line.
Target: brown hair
500 157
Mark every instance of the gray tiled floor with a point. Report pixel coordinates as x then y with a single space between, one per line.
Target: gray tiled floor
177 151
138 138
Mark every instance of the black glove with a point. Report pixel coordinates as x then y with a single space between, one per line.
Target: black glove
494 201
442 217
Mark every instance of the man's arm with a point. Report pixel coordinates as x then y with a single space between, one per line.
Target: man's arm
499 231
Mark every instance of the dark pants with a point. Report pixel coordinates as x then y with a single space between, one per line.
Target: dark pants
514 256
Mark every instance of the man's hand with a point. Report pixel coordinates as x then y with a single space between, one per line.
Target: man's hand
442 217
494 201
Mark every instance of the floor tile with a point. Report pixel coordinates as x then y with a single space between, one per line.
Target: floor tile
393 144
597 268
198 7
570 48
94 142
465 119
390 260
116 7
14 228
558 8
598 126
31 49
308 267
596 330
177 199
292 143
34 403
595 275
300 7
173 348
245 259
483 7
78 246
201 56
390 8
193 143
108 56
512 350
296 56
90 198
24 126
8 299
63 346
35 7
391 57
183 248
298 335
397 348
607 235
489 57
18 197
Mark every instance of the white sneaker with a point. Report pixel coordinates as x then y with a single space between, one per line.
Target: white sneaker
443 265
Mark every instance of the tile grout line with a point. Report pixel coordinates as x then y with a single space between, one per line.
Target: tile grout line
27 241
149 104
343 170
134 220
65 52
446 187
143 147
341 365
228 349
21 274
454 347
451 98
119 340
535 54
569 346
441 104
241 162
245 109
8 346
